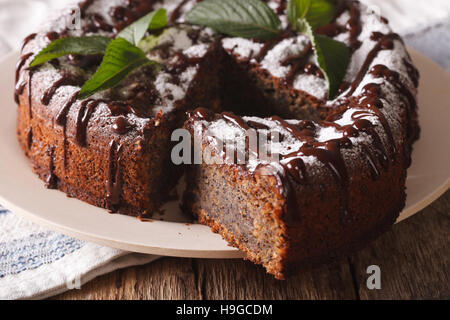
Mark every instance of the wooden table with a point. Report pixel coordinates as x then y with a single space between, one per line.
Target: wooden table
414 258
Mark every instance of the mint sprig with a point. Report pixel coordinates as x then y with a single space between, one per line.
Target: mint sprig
254 19
91 45
238 18
317 12
121 58
332 56
136 31
297 9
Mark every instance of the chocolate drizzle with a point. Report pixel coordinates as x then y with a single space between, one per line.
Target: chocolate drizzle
297 63
30 138
121 125
236 120
84 5
177 11
65 80
52 179
413 73
20 85
354 25
20 82
61 119
97 22
85 112
312 69
21 63
384 43
28 39
19 90
328 153
281 6
30 89
130 12
393 77
182 63
114 182
270 44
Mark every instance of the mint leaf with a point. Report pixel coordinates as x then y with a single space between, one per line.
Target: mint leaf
320 13
73 45
136 31
332 56
317 12
246 19
121 58
148 43
297 9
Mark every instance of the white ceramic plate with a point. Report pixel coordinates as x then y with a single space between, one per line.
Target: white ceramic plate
22 192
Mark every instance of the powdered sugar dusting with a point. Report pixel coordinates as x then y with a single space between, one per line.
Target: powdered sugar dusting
315 86
287 48
169 91
178 38
243 48
197 51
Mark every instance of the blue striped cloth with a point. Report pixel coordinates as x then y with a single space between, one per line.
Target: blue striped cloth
37 263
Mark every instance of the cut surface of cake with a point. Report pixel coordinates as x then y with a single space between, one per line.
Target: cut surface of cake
338 180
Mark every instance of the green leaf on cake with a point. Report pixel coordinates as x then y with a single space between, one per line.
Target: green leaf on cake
121 59
153 21
317 12
332 56
150 42
297 9
93 45
89 45
320 13
246 19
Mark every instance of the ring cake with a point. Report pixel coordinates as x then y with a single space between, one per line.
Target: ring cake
339 180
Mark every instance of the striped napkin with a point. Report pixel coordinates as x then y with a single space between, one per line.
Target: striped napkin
36 263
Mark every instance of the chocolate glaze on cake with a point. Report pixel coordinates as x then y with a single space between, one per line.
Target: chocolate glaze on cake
340 178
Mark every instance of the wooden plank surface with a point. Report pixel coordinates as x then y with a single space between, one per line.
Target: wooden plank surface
414 257
414 261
